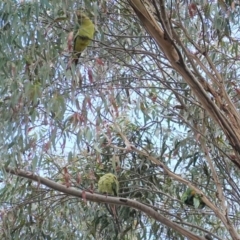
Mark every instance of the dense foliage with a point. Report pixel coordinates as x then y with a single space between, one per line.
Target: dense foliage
126 108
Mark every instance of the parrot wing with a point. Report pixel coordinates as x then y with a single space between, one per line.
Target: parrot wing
115 186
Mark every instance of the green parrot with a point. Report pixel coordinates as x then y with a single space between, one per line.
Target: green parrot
190 198
83 36
108 184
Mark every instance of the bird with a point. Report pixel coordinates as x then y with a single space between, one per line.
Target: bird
190 198
83 35
108 184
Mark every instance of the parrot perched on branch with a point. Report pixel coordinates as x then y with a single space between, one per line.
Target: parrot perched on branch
191 198
83 35
108 184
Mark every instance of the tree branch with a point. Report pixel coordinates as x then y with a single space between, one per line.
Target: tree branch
93 197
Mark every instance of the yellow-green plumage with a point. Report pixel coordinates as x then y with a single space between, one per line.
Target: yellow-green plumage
83 36
108 184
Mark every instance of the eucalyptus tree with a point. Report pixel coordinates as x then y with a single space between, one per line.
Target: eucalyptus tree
154 99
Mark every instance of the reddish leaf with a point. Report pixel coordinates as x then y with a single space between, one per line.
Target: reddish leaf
33 144
66 177
79 178
77 118
154 98
46 146
65 170
70 41
99 61
192 9
88 99
233 156
175 152
29 129
237 90
90 75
